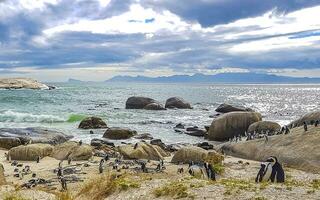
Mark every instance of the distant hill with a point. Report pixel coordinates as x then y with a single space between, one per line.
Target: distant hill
218 78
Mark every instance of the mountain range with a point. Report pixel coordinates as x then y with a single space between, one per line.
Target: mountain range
217 78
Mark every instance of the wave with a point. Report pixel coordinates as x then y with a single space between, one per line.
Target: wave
75 118
12 116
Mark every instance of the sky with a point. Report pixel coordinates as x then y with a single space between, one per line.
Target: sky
54 40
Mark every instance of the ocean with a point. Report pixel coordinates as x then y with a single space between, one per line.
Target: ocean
64 107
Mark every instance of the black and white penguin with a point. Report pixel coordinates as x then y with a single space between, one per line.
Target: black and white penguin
211 174
106 157
80 143
180 170
69 161
277 174
101 166
264 172
38 159
60 172
305 126
63 183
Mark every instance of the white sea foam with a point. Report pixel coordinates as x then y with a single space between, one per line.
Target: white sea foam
12 116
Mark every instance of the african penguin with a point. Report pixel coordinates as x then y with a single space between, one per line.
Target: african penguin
277 174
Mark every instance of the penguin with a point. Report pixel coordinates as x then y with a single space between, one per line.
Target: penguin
91 132
38 159
266 138
180 170
106 157
316 123
60 172
264 172
63 183
277 174
305 126
80 142
211 173
135 146
143 167
101 166
287 131
69 161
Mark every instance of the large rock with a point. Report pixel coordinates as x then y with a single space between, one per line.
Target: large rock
142 150
264 126
30 152
92 123
20 83
196 154
190 153
309 118
9 142
154 106
225 108
232 124
299 149
2 177
138 102
33 135
176 102
119 133
195 131
100 142
72 150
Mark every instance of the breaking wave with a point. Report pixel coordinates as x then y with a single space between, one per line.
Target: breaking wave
12 116
75 118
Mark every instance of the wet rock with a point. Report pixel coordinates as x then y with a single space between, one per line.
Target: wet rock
100 142
226 108
176 102
179 126
159 143
72 150
205 145
195 131
232 124
92 123
154 106
142 150
136 102
119 133
30 152
214 115
34 135
144 136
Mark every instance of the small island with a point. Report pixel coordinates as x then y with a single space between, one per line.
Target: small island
23 83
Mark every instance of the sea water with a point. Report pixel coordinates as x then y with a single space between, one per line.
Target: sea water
64 107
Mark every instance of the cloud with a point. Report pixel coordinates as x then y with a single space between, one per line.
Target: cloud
110 37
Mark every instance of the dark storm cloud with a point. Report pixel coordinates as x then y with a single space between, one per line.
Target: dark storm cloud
213 12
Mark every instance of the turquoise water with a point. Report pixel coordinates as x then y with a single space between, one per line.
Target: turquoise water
64 107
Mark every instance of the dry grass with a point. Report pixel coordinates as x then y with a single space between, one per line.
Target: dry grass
13 196
176 190
237 185
104 185
64 196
